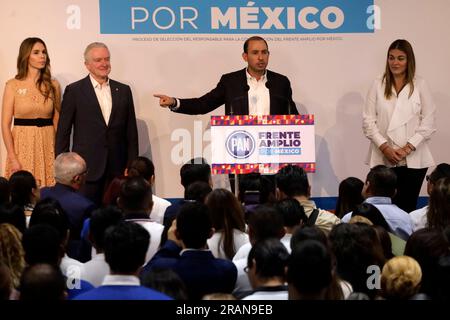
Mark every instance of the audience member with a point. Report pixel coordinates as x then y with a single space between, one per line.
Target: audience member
349 196
95 270
227 219
135 200
201 272
11 252
42 282
125 249
379 188
266 265
419 216
309 272
400 278
70 176
292 182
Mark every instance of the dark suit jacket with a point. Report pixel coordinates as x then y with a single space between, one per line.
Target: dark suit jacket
200 271
105 148
77 206
232 90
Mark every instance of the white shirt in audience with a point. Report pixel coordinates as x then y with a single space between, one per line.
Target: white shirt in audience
419 218
215 243
159 207
95 270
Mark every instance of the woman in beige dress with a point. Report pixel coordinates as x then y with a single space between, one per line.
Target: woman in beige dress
32 99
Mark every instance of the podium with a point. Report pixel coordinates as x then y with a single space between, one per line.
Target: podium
263 144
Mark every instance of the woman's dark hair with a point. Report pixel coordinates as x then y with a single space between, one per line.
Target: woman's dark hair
166 281
226 215
349 196
438 214
143 167
21 185
369 211
4 190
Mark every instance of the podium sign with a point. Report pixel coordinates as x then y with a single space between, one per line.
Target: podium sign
264 144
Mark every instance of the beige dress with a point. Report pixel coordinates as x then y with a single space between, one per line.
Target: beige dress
34 146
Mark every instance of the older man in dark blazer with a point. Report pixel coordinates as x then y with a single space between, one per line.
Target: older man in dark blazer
101 112
253 90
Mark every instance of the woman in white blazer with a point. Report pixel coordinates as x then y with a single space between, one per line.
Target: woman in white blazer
398 119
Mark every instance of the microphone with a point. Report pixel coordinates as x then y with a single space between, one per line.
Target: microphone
246 88
283 98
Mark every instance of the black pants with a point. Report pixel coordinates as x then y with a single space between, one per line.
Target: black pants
409 182
94 190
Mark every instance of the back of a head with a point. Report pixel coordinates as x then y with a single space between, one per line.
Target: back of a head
11 251
166 281
438 213
195 170
4 190
197 191
143 167
309 268
21 184
349 195
355 247
42 282
102 219
194 225
41 244
135 194
265 222
383 181
125 247
400 278
225 210
67 166
427 246
292 181
292 212
369 211
49 211
13 214
308 233
271 258
442 170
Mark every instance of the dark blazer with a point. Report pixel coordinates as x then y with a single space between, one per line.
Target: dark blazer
232 90
77 206
105 148
200 271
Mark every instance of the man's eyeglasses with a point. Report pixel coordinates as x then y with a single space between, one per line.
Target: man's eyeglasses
83 173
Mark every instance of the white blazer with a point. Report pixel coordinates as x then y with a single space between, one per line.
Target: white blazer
400 120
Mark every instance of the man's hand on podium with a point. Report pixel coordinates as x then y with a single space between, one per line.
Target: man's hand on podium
165 101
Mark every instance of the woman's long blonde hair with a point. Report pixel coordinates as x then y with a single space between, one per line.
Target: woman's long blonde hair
11 251
44 82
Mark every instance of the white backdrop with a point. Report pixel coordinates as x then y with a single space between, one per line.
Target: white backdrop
329 78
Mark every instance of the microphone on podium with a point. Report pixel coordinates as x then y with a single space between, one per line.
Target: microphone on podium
246 88
283 98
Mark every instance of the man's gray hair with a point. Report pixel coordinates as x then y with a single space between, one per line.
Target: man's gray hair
67 166
92 46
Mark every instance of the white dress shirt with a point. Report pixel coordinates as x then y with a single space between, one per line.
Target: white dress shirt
103 93
258 95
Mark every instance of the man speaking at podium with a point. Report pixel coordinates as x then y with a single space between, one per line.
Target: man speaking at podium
253 90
